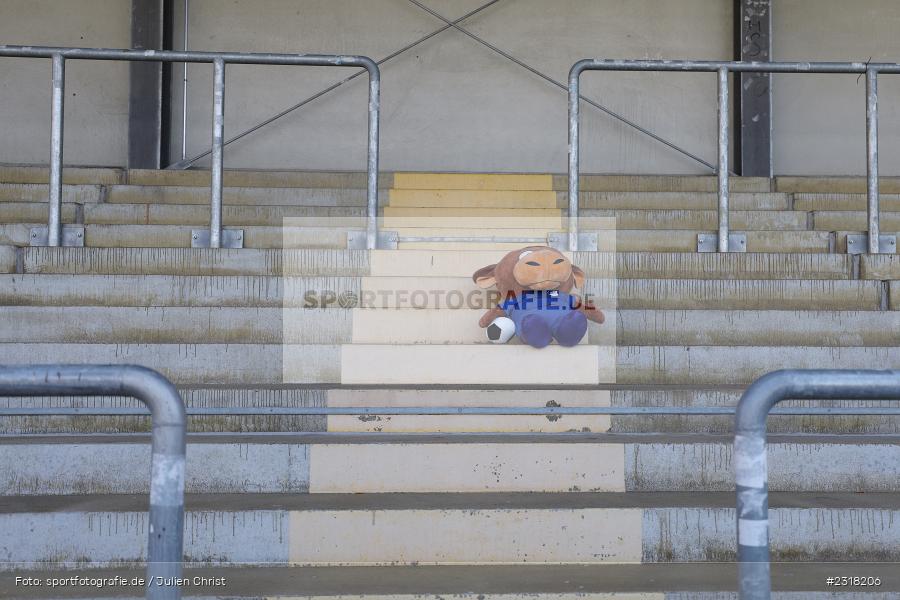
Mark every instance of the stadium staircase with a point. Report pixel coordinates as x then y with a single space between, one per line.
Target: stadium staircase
641 507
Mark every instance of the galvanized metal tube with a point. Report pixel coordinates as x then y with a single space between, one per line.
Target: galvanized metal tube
872 159
57 110
218 137
723 158
372 156
166 531
751 475
574 152
184 90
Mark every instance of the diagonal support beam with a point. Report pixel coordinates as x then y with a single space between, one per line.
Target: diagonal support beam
563 87
185 163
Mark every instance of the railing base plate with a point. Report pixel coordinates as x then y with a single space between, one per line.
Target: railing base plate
72 236
588 241
858 243
387 240
231 238
709 242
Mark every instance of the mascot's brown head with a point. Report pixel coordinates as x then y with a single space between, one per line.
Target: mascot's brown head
531 268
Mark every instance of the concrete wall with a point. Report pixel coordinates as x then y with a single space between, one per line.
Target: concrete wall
819 120
452 104
96 126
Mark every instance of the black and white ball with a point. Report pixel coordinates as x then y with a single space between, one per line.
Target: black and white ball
501 330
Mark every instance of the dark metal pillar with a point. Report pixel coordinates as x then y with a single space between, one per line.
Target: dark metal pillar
148 95
753 100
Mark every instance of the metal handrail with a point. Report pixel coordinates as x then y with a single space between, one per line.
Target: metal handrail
219 60
442 410
751 475
722 68
165 543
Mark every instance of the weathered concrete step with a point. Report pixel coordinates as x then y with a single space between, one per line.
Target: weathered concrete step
768 220
853 424
696 581
844 202
381 263
833 185
239 196
198 215
485 219
419 326
34 212
35 192
685 240
232 364
662 183
259 291
446 463
71 175
179 236
250 178
738 201
844 220
879 266
474 529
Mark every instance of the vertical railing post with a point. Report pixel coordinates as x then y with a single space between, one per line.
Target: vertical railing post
574 153
372 157
723 158
57 109
872 160
218 138
184 83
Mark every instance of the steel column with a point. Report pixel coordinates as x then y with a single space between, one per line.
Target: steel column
184 84
574 153
751 475
146 96
57 109
218 136
872 159
372 157
166 526
723 158
753 146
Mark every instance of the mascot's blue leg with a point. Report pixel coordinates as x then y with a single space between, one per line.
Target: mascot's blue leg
571 328
535 331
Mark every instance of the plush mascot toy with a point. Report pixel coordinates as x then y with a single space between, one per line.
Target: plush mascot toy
536 302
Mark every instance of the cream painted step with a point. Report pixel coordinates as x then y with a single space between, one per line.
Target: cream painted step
476 365
472 181
349 397
451 198
473 218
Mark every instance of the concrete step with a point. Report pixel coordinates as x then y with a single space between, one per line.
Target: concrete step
490 529
258 291
844 220
695 581
405 326
770 220
738 201
247 364
684 240
462 198
71 175
179 236
198 215
446 463
833 185
36 192
729 397
473 181
382 263
238 196
250 178
663 183
844 202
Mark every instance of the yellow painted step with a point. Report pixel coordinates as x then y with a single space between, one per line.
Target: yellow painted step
473 218
476 365
473 198
426 263
472 181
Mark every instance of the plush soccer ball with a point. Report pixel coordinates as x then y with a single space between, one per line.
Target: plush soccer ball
501 330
